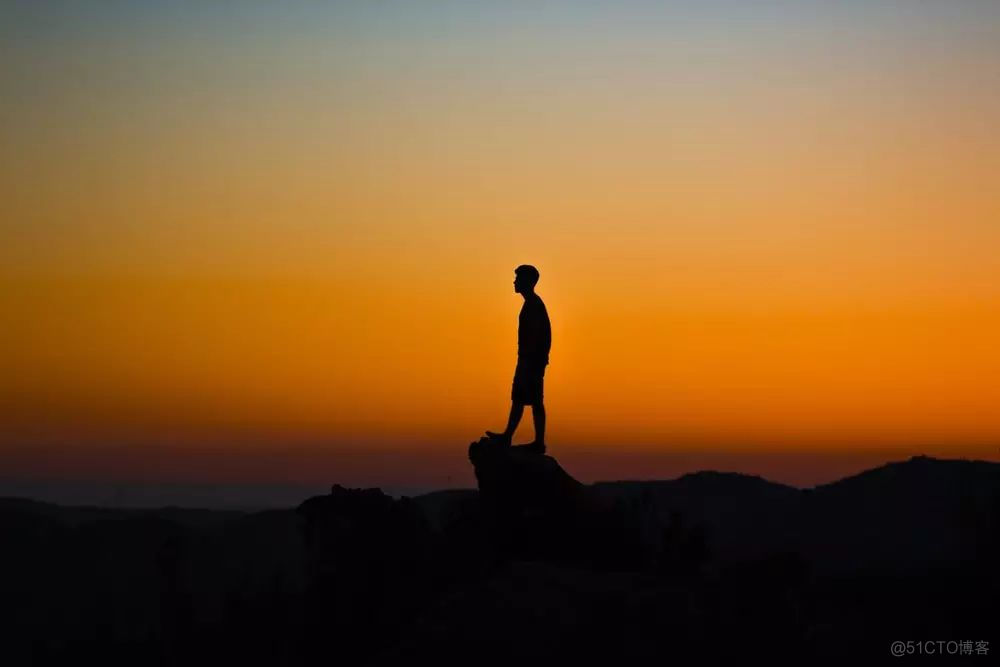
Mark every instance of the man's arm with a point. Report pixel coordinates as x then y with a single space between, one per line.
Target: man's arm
547 337
541 335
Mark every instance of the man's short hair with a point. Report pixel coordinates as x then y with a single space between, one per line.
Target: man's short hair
529 272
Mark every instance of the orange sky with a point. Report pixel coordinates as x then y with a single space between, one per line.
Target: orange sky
763 232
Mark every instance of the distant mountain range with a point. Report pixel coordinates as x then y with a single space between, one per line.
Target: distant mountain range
902 516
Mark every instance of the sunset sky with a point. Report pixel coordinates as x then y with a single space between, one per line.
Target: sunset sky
274 242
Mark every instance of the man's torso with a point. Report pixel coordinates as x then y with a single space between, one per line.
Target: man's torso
534 335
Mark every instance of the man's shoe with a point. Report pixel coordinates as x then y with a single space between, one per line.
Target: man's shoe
535 447
498 438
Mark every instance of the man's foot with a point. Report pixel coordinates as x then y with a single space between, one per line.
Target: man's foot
535 447
499 438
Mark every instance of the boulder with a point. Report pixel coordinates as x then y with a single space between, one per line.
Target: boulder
534 510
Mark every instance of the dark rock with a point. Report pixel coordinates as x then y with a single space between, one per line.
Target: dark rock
520 480
535 510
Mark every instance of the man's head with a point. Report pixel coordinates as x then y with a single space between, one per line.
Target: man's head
525 278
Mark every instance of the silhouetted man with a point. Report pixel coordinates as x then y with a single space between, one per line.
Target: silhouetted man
534 338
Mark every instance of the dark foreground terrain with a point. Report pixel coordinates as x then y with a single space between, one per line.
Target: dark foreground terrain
532 568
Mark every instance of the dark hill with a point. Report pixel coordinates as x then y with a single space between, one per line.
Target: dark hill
907 516
532 567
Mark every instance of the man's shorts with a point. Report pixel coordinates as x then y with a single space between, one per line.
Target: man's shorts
527 385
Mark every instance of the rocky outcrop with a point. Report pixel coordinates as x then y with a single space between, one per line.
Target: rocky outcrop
522 481
534 510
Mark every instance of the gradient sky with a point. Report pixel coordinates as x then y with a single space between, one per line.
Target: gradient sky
252 242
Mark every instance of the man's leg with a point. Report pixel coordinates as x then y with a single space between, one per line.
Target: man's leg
538 414
516 410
